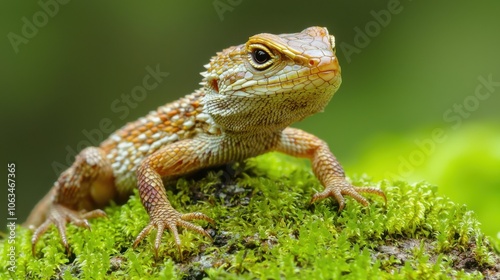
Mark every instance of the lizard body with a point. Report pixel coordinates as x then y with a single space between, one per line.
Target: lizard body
251 94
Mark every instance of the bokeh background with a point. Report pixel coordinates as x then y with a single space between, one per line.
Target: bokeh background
407 108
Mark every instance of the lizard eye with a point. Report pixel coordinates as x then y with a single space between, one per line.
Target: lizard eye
260 57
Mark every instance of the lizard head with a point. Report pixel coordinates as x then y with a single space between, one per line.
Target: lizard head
271 81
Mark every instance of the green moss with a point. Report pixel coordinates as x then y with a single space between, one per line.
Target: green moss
267 229
465 166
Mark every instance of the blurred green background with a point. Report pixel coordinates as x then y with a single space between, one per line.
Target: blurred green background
403 79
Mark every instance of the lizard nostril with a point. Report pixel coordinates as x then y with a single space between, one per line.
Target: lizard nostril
311 62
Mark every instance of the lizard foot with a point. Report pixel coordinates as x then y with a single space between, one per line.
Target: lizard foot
341 187
167 217
59 216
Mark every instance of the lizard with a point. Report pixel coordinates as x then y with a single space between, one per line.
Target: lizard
250 95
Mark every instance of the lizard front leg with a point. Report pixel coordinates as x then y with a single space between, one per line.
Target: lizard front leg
175 159
83 187
327 169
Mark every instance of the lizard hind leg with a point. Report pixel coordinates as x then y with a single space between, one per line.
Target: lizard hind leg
77 194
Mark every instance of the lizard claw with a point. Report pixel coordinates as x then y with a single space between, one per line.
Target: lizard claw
168 218
341 187
59 216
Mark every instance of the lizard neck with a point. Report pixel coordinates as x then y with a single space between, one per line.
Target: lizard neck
263 114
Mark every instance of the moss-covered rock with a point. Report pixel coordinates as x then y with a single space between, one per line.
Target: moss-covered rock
267 229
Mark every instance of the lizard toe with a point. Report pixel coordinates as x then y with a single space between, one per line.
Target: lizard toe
339 188
59 216
172 220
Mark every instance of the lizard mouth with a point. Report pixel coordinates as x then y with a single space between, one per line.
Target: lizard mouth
328 70
323 72
327 77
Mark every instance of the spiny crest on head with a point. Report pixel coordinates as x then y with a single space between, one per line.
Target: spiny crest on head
204 74
219 64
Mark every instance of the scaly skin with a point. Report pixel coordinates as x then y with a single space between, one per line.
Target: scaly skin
251 93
